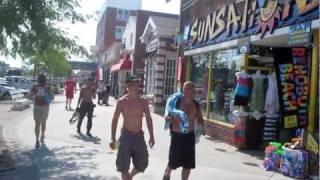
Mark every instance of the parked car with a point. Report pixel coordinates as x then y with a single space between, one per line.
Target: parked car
19 82
7 91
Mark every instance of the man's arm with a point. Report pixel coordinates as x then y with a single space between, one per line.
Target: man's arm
149 123
115 121
80 98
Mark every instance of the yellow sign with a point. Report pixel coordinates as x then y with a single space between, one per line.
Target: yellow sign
312 144
290 121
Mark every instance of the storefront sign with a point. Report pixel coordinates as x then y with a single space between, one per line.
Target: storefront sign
246 18
293 82
300 34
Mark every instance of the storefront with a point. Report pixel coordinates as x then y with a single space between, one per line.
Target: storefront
160 60
255 66
119 75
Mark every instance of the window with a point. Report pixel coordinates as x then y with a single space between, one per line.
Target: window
223 81
119 32
170 75
123 15
200 77
119 14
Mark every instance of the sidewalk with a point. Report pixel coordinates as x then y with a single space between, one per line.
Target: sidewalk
68 155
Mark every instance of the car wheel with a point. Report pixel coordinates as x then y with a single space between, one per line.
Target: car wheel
6 96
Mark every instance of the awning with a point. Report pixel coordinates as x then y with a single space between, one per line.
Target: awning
124 64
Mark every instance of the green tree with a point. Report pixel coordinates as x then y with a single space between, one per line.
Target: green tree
30 28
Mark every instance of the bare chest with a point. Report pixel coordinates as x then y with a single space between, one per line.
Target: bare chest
190 109
133 107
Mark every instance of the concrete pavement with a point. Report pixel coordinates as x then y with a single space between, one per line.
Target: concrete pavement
67 155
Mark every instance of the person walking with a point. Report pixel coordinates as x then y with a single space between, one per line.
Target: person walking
85 105
183 124
70 86
42 96
132 144
100 91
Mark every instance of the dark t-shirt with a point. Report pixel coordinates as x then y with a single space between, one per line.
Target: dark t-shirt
41 94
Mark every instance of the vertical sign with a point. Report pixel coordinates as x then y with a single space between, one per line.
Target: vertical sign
293 84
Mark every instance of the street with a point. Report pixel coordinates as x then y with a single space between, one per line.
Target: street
68 155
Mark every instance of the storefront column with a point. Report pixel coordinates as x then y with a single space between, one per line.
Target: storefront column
188 68
246 59
209 86
314 80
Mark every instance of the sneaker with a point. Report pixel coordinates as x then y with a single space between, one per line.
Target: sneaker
66 107
89 134
37 144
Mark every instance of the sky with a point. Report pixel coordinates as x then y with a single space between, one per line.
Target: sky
86 33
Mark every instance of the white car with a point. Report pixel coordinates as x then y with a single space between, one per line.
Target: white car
6 91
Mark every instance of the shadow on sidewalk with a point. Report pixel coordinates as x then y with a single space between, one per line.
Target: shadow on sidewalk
81 136
257 153
64 162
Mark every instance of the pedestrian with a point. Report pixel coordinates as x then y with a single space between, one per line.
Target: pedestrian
182 130
100 90
132 144
42 96
106 94
70 86
86 106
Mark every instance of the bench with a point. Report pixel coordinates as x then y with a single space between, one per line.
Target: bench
19 102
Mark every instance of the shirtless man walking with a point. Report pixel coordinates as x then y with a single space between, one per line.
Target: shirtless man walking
132 143
87 93
182 147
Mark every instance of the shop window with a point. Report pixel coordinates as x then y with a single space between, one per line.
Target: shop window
199 76
169 80
223 82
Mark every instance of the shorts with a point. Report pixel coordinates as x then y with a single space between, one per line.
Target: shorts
132 145
182 151
69 94
40 113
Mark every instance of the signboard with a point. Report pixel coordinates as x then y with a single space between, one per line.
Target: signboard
244 18
300 34
293 85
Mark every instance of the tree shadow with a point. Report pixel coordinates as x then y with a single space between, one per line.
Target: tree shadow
65 162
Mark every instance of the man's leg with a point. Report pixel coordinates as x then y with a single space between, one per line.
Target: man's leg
82 115
66 102
185 174
43 130
37 132
125 176
70 100
167 173
89 123
133 173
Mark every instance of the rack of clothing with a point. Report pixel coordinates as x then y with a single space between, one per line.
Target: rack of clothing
257 95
